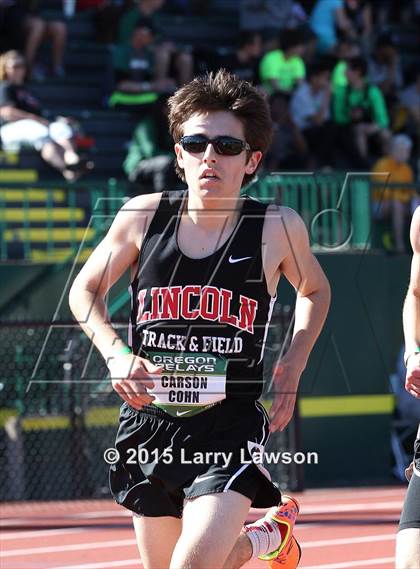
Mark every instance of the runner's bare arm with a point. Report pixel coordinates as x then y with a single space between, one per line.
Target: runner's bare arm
112 257
292 256
411 312
313 294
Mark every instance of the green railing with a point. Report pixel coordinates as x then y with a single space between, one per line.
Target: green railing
337 208
77 209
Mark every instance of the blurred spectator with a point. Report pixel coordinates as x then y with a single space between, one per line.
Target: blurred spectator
396 11
288 148
410 106
384 67
328 17
359 17
169 60
310 110
136 12
135 65
395 204
243 62
283 69
40 25
106 17
22 123
346 49
11 28
269 16
150 158
360 110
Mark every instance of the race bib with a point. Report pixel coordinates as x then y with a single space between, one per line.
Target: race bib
189 382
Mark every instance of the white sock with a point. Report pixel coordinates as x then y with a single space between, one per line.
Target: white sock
264 536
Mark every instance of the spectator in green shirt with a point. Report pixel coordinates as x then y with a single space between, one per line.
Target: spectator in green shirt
346 49
167 55
150 159
135 70
282 69
141 11
360 108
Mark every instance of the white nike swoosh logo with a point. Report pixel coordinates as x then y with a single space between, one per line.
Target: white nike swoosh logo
232 260
179 413
202 478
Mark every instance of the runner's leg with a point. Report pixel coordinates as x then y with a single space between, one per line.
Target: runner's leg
240 554
211 525
408 549
270 536
408 537
156 539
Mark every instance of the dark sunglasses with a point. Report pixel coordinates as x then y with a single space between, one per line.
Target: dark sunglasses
224 145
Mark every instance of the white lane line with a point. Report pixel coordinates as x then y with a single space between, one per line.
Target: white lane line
41 533
88 515
71 547
361 564
349 500
104 564
103 514
309 525
346 492
348 540
337 508
82 515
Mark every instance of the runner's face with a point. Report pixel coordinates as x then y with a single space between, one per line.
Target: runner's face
227 171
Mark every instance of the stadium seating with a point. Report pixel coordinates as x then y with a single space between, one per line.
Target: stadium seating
82 94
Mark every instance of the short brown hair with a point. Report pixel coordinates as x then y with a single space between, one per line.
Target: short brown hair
222 91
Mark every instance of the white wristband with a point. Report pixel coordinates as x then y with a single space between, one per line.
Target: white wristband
408 356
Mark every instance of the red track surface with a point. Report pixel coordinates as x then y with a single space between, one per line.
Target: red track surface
337 529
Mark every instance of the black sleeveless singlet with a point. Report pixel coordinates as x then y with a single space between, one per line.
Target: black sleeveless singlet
204 320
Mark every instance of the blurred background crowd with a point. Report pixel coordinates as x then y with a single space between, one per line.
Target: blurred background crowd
342 78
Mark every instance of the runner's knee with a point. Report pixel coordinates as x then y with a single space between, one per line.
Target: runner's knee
408 549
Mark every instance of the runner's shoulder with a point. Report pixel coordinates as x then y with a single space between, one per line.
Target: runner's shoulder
134 217
139 210
143 204
284 219
415 231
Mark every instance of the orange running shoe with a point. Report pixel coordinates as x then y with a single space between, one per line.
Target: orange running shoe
284 515
289 558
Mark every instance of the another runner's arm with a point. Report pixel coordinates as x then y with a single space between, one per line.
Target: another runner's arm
313 294
109 261
411 313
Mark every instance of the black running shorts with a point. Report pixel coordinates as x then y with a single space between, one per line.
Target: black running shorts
410 516
165 460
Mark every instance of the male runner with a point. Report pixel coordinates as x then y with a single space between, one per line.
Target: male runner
408 537
205 266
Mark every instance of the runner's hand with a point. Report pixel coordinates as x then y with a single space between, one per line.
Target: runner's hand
412 380
285 385
130 376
